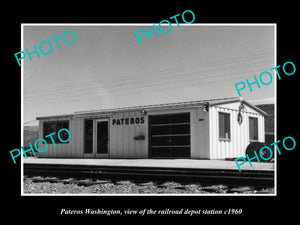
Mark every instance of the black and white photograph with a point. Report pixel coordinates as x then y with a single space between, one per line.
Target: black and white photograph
160 117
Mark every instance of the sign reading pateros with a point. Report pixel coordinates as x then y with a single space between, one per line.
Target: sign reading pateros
128 121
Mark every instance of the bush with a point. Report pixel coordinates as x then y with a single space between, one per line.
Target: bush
29 137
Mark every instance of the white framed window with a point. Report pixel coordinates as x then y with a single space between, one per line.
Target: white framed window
224 126
253 129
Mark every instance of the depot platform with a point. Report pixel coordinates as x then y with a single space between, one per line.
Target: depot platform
156 163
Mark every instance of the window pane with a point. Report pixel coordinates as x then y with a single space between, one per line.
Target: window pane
54 127
102 137
224 125
227 126
253 128
46 129
58 127
88 136
221 125
63 134
256 129
66 125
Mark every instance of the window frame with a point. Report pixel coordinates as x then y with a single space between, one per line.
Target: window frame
256 119
227 115
55 126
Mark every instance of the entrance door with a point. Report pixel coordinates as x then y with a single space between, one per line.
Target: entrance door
89 138
101 146
169 136
96 138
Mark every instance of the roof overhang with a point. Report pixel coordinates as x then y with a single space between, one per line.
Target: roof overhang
239 100
166 106
67 116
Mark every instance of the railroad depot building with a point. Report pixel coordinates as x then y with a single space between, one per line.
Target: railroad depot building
206 129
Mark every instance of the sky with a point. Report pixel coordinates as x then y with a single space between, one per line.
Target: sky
106 68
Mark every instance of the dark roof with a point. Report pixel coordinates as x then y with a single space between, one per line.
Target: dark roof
166 105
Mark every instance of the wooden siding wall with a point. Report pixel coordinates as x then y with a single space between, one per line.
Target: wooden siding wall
236 147
205 141
199 134
122 143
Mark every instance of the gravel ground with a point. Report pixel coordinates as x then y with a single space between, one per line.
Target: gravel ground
39 185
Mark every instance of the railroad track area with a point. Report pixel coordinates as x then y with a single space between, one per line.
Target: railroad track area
118 179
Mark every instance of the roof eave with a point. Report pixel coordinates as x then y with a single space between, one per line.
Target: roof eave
254 107
239 100
53 117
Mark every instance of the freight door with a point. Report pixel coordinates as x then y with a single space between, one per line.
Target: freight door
169 136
